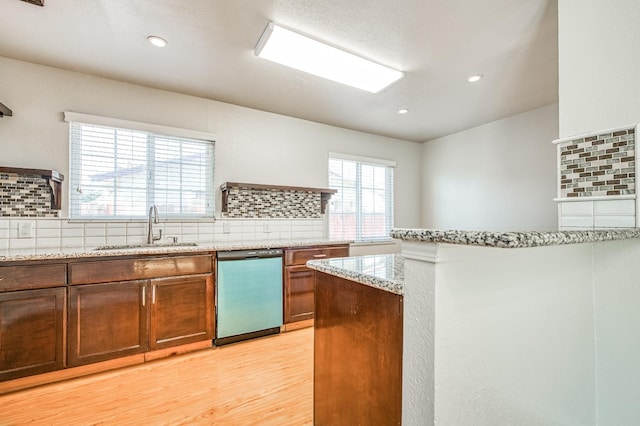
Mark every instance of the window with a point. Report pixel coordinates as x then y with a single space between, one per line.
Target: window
118 173
362 209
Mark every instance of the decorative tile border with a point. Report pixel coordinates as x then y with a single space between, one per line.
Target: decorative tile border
249 203
598 165
25 196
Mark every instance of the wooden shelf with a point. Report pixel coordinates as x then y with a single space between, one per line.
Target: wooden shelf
325 194
53 178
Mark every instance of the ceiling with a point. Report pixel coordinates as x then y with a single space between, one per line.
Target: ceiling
437 43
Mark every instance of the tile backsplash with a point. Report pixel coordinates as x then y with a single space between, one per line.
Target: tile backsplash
58 234
25 196
245 202
598 165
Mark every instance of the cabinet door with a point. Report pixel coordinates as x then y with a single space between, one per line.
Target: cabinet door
299 293
181 310
107 321
32 332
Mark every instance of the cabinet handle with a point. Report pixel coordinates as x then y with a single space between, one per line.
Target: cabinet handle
153 295
144 294
319 255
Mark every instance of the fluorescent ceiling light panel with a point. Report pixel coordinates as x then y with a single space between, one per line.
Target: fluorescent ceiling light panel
294 50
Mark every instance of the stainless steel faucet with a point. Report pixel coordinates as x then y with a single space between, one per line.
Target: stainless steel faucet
153 218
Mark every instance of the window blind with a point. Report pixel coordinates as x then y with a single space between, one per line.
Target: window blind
362 209
118 173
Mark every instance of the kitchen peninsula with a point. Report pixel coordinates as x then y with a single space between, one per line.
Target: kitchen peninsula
497 327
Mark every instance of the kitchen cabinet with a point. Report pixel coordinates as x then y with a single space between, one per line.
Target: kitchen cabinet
357 354
107 321
128 306
299 280
32 332
32 319
181 310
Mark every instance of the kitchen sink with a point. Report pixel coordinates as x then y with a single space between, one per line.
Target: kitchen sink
143 245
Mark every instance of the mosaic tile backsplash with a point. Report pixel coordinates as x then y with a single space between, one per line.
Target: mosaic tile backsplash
272 203
25 196
598 165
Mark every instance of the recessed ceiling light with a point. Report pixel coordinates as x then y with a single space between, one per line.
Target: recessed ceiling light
294 50
474 78
403 111
157 41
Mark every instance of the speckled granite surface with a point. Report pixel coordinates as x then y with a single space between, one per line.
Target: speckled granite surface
384 271
512 239
72 253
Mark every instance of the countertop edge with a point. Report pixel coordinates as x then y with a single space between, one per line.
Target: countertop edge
517 239
73 253
328 266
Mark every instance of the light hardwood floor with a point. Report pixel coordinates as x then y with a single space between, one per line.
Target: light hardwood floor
266 381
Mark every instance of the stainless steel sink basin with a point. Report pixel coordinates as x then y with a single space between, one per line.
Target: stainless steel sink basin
143 246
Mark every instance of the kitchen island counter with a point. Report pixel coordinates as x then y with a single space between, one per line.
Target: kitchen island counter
513 239
385 272
497 327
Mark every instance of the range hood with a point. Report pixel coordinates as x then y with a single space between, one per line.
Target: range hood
5 111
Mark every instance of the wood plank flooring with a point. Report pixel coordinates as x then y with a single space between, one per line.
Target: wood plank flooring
266 381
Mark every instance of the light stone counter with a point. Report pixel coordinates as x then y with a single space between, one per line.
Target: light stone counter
513 239
74 253
385 272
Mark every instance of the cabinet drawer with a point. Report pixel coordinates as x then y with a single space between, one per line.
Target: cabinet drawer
134 269
300 256
28 277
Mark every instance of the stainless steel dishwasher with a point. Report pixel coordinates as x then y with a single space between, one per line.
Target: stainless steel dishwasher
248 294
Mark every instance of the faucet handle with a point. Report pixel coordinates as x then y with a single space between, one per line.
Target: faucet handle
159 237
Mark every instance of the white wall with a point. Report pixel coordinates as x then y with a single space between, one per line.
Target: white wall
513 334
251 146
498 176
599 64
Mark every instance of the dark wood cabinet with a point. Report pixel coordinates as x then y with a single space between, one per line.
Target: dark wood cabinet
299 280
32 332
181 310
107 321
165 301
357 354
298 295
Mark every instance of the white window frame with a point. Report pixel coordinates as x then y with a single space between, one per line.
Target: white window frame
153 129
389 197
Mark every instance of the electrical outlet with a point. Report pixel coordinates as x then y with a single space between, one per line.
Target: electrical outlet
25 230
265 227
226 228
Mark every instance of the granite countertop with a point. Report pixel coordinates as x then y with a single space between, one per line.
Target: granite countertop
382 271
513 239
74 253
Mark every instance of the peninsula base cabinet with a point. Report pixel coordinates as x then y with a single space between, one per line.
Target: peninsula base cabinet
357 354
32 329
